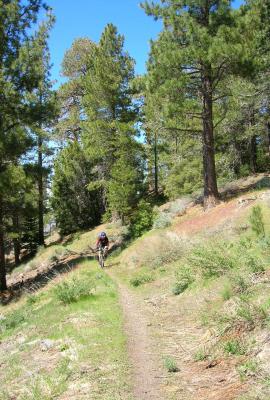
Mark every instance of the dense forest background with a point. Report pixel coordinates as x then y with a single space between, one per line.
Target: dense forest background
109 145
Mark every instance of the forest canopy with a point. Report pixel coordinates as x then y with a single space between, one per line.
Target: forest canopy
109 144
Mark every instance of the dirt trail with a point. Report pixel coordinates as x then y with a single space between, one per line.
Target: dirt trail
147 373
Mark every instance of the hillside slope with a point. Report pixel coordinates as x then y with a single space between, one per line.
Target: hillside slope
203 283
182 313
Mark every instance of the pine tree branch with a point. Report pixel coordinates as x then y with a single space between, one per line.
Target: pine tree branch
220 97
218 75
184 130
11 126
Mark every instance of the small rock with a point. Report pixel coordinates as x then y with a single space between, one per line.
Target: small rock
46 344
2 317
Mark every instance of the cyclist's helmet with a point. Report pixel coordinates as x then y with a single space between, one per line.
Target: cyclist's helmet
102 235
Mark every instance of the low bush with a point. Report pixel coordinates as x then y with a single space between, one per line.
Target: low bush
252 314
254 263
170 364
244 314
256 220
141 279
162 220
212 260
170 249
179 206
184 279
201 355
234 347
227 292
73 290
32 299
249 368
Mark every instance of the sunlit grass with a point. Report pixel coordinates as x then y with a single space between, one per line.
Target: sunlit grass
88 346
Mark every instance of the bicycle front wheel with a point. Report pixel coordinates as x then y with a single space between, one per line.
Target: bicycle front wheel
101 258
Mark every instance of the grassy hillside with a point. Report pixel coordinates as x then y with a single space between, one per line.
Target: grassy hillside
205 284
201 280
65 341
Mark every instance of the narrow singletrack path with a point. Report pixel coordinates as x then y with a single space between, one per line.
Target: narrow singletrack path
145 365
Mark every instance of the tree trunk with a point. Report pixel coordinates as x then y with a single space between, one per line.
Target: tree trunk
156 164
40 194
3 282
253 154
238 157
16 241
211 195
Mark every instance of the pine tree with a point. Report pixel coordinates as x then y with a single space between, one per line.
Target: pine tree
76 63
74 206
18 78
110 118
201 43
44 109
125 183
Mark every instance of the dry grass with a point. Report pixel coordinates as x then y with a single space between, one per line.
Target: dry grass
220 317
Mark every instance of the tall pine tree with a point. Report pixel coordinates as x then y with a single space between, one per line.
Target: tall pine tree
110 121
200 44
18 78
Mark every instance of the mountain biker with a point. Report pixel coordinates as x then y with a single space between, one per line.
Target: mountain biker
103 242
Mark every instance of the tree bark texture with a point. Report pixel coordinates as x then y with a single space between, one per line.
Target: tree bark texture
3 282
40 194
16 241
211 195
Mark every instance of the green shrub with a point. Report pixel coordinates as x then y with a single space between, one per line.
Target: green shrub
249 368
179 205
212 260
184 279
142 219
141 279
72 290
162 220
234 347
32 299
252 314
254 263
170 364
227 292
256 220
201 355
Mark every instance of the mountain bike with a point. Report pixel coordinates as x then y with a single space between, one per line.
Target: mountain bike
101 256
